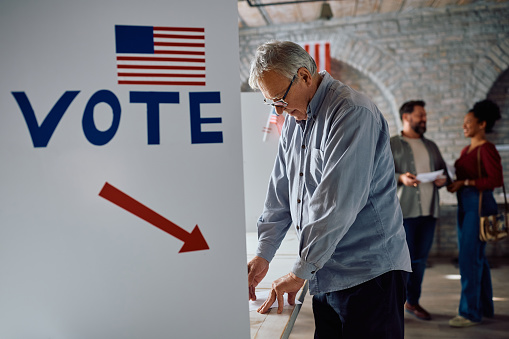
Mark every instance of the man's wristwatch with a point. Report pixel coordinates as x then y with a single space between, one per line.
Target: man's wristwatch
466 183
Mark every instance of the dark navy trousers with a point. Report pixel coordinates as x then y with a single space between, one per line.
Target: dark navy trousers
373 309
419 237
476 290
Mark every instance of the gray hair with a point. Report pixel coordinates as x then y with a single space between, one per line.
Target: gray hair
284 57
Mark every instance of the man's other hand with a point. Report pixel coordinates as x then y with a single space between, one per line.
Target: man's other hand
290 284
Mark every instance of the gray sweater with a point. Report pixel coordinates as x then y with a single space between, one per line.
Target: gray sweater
409 197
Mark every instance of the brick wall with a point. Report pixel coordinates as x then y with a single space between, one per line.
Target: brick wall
448 57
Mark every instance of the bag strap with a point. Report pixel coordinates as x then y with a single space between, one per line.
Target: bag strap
505 204
505 198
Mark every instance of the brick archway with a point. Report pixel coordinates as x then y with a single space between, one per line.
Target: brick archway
362 83
380 68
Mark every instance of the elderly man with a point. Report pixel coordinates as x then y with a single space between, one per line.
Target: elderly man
333 179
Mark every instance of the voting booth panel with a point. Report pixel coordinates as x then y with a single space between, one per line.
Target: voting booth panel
121 201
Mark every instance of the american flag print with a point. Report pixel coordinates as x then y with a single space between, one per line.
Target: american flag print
278 120
275 119
320 52
154 55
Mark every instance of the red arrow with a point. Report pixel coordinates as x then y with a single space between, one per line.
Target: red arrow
193 241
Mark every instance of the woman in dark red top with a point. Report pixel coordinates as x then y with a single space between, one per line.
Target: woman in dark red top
476 292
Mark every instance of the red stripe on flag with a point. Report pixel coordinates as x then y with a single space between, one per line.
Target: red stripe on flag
178 36
327 57
178 52
136 58
166 83
187 68
161 75
177 44
317 56
179 29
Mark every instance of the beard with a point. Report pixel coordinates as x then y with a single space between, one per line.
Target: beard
419 128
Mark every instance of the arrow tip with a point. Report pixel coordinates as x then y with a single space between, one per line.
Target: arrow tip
195 242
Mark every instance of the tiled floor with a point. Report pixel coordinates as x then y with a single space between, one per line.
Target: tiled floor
440 296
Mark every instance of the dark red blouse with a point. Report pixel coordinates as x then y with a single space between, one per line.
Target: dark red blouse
491 167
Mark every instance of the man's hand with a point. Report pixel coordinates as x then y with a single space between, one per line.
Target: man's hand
290 284
440 181
256 270
408 179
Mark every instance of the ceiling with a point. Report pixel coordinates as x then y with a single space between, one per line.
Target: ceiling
257 13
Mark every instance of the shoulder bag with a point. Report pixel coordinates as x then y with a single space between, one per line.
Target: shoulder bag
492 227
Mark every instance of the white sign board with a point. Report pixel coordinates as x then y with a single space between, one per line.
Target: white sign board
121 186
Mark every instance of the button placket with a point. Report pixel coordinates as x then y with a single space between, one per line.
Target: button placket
302 163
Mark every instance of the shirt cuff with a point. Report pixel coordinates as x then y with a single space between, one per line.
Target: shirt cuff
266 251
304 270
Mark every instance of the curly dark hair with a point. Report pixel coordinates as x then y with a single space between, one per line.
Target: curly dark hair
486 110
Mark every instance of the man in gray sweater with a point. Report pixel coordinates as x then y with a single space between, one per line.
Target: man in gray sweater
414 154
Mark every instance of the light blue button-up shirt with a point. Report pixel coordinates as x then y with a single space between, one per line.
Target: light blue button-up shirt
333 179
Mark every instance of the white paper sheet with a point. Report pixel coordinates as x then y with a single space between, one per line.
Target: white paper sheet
430 176
262 295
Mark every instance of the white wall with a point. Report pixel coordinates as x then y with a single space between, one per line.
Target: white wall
258 155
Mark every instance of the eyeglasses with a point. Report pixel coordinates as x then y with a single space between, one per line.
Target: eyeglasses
281 102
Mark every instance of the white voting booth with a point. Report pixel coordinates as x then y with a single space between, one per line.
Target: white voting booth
121 189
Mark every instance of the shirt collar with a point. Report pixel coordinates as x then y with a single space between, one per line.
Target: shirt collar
317 100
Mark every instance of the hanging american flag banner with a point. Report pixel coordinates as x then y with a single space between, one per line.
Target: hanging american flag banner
153 55
320 52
